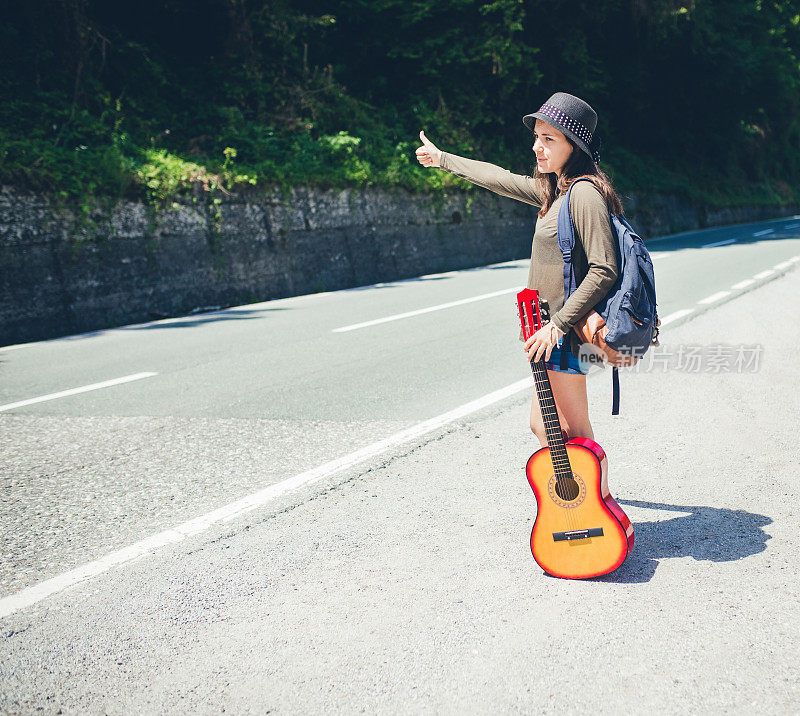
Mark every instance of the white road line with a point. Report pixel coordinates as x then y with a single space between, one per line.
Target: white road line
36 593
73 391
743 284
782 265
795 258
714 297
719 243
675 316
791 226
426 310
763 233
764 274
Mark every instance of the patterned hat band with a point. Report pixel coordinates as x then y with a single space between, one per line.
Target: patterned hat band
573 126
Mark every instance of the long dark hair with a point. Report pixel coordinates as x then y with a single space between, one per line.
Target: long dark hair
579 164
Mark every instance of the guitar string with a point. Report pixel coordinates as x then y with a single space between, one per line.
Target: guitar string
567 479
547 400
548 404
542 381
542 385
562 471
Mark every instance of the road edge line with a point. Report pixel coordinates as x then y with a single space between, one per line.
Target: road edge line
31 595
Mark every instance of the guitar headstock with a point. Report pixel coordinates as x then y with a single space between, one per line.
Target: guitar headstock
532 312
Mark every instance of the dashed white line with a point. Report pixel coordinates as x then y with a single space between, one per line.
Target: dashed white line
271 303
782 265
439 307
714 297
719 243
764 274
743 284
675 316
764 232
31 595
791 226
74 391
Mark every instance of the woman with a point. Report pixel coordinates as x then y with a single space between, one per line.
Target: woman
566 147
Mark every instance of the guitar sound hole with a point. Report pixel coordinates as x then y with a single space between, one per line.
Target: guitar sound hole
567 488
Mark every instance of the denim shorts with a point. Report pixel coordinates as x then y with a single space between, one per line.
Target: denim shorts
574 365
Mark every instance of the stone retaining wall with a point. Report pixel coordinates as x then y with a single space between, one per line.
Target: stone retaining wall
59 275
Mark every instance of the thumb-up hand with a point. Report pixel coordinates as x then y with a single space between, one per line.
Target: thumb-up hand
428 155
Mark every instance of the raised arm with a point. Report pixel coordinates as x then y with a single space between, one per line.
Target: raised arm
489 176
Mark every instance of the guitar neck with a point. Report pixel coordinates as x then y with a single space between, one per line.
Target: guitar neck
552 425
530 316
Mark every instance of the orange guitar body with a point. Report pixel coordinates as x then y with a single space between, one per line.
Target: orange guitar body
559 540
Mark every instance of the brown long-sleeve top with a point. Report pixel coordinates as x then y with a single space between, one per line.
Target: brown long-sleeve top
595 257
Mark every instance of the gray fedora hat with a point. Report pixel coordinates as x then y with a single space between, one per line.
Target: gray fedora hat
572 116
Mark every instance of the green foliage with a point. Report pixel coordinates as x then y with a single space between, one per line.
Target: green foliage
158 99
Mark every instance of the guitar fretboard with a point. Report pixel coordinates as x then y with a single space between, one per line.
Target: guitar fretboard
532 314
552 425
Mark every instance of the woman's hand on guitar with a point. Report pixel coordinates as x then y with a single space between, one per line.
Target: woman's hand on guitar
542 342
428 154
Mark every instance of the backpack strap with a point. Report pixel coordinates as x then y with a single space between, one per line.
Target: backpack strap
615 390
566 242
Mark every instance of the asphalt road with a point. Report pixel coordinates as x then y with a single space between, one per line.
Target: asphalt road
403 583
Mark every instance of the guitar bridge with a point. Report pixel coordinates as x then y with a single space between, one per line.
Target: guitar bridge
577 534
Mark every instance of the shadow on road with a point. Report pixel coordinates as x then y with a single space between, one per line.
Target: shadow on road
706 533
195 319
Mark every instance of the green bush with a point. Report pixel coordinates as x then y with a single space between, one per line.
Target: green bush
154 100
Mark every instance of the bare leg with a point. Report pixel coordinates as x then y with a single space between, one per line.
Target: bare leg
572 405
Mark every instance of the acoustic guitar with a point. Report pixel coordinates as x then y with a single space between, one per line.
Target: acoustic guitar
580 531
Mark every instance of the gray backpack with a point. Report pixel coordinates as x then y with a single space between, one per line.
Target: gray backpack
629 308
